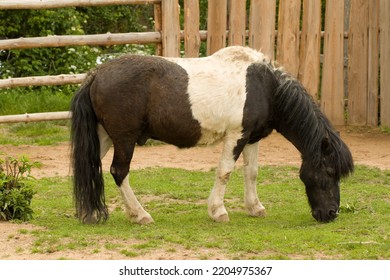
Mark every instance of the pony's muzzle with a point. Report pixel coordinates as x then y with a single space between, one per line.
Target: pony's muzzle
325 216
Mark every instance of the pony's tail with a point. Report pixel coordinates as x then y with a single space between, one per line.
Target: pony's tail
88 185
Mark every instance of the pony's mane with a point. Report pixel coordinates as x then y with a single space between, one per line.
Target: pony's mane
299 113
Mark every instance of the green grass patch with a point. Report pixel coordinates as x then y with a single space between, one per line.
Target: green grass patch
177 201
39 133
23 100
35 99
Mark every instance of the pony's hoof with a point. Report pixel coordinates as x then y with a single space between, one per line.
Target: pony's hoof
218 214
257 211
222 218
145 220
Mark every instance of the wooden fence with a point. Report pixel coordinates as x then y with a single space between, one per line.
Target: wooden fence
354 48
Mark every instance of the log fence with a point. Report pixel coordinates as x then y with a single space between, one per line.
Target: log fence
296 42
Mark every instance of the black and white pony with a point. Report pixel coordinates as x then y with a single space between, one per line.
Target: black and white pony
235 96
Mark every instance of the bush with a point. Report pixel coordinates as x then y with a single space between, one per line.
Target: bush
15 195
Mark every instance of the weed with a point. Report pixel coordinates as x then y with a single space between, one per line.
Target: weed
348 208
15 195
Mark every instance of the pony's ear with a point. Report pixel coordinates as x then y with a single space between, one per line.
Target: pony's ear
325 146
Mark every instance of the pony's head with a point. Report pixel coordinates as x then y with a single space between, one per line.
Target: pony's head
322 178
325 157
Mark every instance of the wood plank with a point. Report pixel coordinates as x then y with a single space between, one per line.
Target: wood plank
170 28
287 51
262 26
43 80
157 10
373 63
216 25
309 55
50 4
384 25
36 117
332 92
81 40
237 22
357 63
191 28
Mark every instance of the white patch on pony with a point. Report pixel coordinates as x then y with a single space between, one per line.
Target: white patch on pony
211 80
251 199
216 207
104 140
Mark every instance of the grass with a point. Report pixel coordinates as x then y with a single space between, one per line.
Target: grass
39 133
32 100
177 201
35 99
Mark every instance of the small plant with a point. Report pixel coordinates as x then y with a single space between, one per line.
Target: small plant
15 195
348 208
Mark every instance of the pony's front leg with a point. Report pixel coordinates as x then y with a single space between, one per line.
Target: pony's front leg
252 202
216 207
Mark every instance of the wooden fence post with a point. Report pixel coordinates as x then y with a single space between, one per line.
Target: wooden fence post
216 25
158 26
385 61
309 56
262 26
373 63
287 51
237 22
357 63
191 28
332 93
170 28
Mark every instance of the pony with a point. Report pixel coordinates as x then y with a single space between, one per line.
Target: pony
236 96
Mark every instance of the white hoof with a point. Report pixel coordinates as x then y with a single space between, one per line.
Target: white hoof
219 214
142 219
257 210
145 220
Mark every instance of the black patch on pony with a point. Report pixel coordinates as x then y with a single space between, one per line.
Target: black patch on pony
261 84
154 101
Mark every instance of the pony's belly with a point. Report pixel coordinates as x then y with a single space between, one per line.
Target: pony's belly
209 137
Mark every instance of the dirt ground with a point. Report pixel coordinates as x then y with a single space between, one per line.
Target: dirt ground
368 147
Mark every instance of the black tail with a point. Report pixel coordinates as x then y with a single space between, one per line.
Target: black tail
88 189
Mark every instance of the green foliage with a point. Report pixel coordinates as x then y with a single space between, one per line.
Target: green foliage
66 21
43 61
15 195
118 19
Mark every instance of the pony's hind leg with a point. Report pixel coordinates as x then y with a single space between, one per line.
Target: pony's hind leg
251 200
123 153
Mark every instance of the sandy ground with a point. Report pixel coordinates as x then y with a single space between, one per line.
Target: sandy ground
368 147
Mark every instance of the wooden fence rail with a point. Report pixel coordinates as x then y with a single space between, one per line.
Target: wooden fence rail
297 46
82 40
64 79
53 4
36 117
